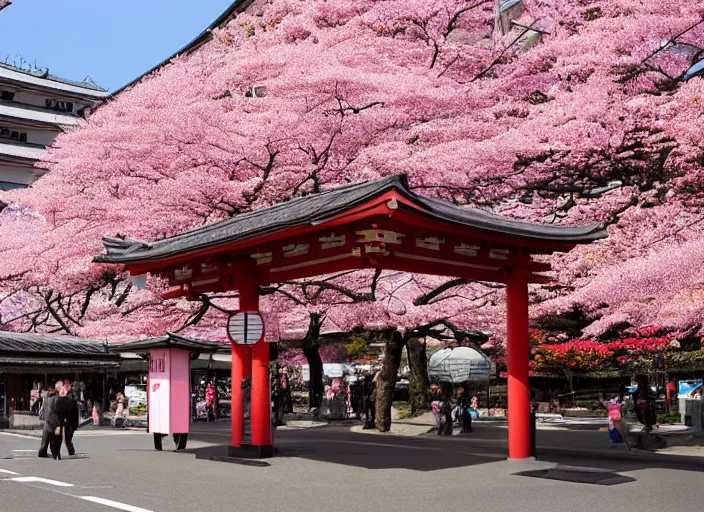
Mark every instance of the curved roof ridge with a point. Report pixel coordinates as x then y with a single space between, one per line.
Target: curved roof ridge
316 209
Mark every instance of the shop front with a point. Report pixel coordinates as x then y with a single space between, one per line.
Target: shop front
30 363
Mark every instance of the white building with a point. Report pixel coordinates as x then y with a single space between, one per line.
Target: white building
34 108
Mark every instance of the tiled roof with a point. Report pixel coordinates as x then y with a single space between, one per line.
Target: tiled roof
317 208
52 81
21 342
170 340
92 364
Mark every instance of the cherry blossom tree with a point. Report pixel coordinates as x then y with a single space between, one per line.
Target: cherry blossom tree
572 113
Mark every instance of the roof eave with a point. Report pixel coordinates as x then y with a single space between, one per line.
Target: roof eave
531 238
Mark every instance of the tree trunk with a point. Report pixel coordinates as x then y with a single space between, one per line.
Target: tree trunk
315 363
386 381
497 20
419 389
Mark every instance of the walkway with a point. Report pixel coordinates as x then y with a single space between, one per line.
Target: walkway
580 436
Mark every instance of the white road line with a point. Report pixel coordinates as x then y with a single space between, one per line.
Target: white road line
114 504
12 434
7 472
36 479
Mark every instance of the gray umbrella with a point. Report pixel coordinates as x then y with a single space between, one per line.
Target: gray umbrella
457 365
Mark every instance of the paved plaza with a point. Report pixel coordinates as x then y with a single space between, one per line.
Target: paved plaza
331 468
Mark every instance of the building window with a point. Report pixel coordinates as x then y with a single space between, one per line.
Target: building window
59 106
7 96
7 133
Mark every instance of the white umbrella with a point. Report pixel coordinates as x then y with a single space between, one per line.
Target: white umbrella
457 365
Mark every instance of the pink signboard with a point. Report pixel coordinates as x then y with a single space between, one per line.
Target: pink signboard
159 391
169 391
180 407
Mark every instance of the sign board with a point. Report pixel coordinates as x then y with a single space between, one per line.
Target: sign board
159 391
686 388
245 328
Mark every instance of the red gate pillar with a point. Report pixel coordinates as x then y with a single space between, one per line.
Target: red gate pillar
241 369
519 427
242 362
260 404
261 400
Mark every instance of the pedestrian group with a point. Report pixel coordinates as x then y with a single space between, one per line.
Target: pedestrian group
60 414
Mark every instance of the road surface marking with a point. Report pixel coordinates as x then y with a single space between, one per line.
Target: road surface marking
33 479
8 472
25 450
114 504
12 434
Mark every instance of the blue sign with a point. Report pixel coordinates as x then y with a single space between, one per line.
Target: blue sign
687 387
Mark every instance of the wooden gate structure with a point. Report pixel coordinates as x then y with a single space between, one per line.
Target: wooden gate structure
381 225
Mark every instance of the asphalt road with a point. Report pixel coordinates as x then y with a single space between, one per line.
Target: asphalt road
325 469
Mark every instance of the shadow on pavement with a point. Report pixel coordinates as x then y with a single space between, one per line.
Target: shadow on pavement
338 445
361 450
623 461
579 476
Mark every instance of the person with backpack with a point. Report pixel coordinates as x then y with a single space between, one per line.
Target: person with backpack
617 428
464 404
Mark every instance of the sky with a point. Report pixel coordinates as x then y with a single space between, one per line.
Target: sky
112 42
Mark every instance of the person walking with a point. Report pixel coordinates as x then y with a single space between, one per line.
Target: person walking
210 406
617 428
51 422
671 392
435 407
369 400
285 388
276 402
464 404
446 415
64 407
72 419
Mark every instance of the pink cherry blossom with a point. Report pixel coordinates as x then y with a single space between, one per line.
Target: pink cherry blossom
592 122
